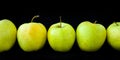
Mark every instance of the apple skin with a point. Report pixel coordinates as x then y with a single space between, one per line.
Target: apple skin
90 36
113 35
7 35
61 39
31 36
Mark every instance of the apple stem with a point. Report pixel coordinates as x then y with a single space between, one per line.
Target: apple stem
36 16
95 22
60 22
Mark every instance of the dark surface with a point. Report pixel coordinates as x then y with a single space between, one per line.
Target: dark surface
18 16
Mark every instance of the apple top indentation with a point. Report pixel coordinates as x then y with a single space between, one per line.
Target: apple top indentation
116 23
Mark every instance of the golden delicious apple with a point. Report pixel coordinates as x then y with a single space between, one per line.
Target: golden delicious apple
7 35
90 36
113 35
61 36
31 36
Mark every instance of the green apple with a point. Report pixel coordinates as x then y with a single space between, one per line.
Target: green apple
31 36
7 35
90 36
61 37
113 35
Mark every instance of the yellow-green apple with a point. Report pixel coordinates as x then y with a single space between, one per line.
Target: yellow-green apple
61 36
90 36
31 36
7 35
113 35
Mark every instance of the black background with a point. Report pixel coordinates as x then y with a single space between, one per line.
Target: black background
49 15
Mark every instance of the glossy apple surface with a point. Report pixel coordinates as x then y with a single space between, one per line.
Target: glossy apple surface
31 36
7 34
113 35
90 36
61 38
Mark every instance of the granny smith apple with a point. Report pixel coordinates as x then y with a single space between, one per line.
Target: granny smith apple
7 35
31 36
61 36
113 35
90 36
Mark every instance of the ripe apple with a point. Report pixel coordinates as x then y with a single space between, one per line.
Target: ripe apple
61 36
31 36
113 35
7 35
90 36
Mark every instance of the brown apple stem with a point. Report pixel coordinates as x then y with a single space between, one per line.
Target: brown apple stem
95 22
36 16
60 22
